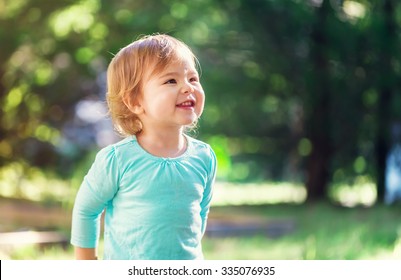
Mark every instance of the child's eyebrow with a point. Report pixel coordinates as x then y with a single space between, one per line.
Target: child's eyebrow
169 74
174 73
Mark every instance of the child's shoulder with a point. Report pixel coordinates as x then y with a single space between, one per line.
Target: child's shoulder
197 142
116 148
124 143
200 147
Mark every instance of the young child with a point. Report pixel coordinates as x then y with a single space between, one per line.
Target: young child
155 185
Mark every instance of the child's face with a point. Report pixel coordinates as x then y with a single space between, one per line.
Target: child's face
172 98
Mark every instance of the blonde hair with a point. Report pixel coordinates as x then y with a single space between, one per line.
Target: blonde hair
127 70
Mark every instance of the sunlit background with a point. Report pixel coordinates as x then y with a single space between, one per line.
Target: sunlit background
303 110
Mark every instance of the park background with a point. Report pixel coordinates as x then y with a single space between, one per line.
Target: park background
303 109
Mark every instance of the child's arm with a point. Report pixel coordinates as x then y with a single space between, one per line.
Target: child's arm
85 253
208 191
97 189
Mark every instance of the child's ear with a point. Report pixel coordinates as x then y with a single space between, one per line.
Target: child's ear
133 104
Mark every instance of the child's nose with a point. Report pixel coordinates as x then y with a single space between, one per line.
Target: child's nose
188 87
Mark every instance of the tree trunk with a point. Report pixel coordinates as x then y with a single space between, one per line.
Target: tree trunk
318 118
386 84
2 101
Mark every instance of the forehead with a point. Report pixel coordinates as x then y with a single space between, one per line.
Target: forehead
178 61
179 65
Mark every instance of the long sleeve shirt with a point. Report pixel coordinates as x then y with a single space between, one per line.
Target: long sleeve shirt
155 208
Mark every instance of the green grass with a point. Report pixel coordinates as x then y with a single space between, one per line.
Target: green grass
31 252
322 232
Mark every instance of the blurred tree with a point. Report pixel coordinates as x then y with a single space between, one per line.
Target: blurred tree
296 90
322 56
317 105
388 76
27 81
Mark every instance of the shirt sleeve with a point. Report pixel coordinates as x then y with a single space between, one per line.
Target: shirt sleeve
96 191
208 192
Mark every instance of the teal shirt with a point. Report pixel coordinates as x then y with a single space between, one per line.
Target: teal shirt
156 208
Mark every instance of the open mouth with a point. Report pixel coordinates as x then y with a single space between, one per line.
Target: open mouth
186 104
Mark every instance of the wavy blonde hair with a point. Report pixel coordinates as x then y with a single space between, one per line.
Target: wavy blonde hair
128 69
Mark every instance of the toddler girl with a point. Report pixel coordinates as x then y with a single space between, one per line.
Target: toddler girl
155 186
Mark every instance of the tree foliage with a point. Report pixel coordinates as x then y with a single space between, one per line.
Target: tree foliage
296 90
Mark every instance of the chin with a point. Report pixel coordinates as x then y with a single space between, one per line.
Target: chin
189 122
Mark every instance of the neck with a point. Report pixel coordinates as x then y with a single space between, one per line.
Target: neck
163 144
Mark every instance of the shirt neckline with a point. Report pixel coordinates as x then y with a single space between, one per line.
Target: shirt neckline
149 155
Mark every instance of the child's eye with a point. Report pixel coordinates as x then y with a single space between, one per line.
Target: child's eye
194 79
171 81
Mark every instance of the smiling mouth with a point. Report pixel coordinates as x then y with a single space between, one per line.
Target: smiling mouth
186 104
